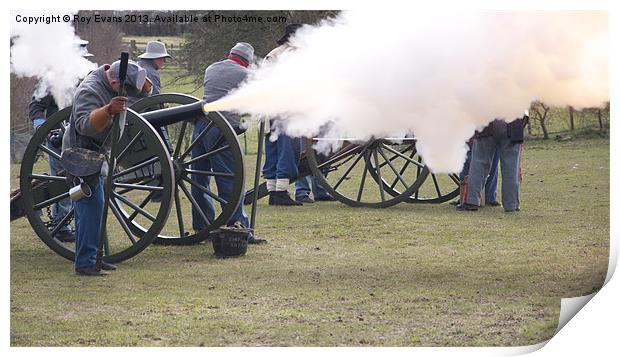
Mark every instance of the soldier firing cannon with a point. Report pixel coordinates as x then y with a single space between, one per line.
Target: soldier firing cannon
151 194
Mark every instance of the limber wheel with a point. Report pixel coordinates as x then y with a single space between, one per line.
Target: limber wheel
182 139
401 158
344 172
42 191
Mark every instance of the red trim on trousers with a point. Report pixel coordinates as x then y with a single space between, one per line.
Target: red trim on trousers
520 165
466 189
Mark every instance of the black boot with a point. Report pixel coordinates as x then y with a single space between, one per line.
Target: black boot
281 198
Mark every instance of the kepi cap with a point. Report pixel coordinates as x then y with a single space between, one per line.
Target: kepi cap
243 50
136 75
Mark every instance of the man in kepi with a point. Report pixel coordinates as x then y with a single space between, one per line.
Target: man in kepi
95 104
39 110
220 78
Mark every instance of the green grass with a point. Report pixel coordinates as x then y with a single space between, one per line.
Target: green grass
173 82
409 275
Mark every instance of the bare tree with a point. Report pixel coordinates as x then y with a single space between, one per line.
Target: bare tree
21 127
540 111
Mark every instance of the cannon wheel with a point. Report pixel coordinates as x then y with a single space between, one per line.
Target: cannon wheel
41 191
343 173
179 141
437 188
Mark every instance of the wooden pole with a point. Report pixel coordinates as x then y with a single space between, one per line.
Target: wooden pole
107 189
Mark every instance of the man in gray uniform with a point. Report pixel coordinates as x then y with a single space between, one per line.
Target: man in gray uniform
220 78
95 104
152 60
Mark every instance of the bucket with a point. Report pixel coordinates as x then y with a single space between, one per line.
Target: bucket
230 241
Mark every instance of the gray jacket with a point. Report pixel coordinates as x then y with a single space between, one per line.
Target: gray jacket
220 78
152 73
93 93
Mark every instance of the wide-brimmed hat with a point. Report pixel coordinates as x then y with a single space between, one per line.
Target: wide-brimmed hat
243 50
289 30
155 49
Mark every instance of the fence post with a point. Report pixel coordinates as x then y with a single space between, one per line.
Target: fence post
572 122
133 49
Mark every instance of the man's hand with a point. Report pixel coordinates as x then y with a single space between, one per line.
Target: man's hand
101 118
116 105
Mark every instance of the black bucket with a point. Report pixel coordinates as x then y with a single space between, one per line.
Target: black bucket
230 241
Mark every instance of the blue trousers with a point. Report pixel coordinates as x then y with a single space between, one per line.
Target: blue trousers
220 162
62 207
483 150
88 215
305 185
280 158
490 186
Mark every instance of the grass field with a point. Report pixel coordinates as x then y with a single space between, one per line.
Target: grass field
409 275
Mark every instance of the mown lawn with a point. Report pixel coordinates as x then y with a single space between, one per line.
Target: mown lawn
409 275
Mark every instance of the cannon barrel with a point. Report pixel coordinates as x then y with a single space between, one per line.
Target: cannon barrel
163 117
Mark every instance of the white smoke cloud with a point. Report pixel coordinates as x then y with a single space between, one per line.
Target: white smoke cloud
50 53
439 75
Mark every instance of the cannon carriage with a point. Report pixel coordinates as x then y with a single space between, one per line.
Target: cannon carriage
151 197
376 173
152 181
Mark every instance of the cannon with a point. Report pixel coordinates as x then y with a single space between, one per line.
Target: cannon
153 179
152 201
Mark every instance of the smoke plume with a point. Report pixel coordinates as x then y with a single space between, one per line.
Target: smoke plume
50 53
437 75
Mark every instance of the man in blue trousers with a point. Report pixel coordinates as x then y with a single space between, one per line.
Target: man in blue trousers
309 184
96 102
220 78
281 155
508 139
490 185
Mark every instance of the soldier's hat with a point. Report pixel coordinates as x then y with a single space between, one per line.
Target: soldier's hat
155 49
